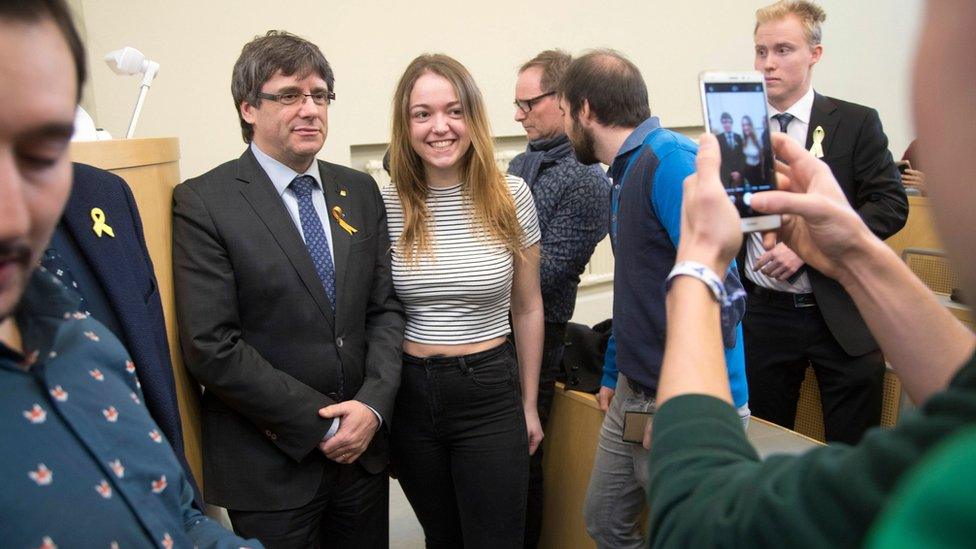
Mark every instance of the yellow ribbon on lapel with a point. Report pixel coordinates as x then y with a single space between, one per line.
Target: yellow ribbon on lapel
100 227
818 137
338 215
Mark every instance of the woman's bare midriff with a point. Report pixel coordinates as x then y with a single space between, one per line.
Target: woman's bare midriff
424 350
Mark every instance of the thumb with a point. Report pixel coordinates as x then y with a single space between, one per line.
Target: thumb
709 158
784 202
334 410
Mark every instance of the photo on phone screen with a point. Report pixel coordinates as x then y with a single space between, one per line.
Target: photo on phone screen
736 113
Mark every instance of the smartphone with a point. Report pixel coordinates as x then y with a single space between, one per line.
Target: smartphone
634 425
903 165
734 105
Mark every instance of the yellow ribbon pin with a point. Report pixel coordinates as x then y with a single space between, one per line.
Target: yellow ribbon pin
100 227
818 137
338 215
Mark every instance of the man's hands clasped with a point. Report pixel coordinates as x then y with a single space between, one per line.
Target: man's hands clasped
357 425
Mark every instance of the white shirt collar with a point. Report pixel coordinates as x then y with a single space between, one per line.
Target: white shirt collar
800 110
281 176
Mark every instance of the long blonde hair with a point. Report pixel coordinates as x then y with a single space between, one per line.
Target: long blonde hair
483 185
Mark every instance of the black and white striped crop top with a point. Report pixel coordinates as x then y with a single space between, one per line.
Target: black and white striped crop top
462 292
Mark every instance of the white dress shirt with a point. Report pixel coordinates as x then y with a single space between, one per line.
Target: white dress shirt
281 177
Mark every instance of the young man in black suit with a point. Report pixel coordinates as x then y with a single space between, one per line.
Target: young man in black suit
795 314
287 315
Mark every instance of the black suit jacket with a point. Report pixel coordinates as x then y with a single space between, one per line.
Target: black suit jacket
122 266
733 158
258 332
856 149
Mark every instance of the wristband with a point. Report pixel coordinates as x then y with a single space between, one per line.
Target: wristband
702 273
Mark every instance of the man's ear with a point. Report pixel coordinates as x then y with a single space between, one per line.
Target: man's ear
817 53
586 116
247 112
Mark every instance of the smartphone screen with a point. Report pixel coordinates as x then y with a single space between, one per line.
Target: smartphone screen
736 113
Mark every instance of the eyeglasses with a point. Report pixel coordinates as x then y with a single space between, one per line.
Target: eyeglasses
525 105
291 98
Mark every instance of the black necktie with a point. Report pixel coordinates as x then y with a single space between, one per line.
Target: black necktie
784 120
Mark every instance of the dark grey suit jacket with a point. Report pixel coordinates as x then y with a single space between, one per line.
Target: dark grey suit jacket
856 149
733 158
258 332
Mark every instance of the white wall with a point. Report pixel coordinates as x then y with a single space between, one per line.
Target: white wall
867 58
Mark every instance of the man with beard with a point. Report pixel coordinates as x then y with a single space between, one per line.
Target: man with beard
570 200
604 99
83 463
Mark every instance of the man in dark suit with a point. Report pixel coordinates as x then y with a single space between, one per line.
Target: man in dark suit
98 248
730 144
288 316
795 315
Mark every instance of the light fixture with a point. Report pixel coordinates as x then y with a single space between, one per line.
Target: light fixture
131 61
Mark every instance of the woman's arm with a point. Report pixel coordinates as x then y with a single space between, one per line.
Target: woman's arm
527 322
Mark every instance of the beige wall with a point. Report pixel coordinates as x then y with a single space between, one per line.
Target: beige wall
867 57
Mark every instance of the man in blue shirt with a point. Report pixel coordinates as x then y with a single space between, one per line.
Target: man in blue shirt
571 202
84 465
604 98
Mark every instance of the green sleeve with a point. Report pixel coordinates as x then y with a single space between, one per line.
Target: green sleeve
934 505
708 487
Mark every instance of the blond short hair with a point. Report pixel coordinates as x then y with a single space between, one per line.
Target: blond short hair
809 14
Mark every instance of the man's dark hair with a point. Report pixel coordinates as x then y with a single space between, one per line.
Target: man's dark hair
725 116
264 56
611 84
553 64
35 11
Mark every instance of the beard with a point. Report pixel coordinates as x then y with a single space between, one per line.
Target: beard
583 144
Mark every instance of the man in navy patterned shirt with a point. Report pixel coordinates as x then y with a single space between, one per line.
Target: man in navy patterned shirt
84 465
571 200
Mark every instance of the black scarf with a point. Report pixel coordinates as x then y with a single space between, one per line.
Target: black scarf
543 151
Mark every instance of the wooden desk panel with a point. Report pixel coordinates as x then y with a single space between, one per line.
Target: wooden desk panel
919 230
570 446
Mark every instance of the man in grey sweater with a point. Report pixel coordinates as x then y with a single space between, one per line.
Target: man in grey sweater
572 202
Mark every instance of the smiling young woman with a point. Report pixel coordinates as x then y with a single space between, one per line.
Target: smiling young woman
465 256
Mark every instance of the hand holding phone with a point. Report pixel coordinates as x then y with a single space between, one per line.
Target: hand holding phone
734 104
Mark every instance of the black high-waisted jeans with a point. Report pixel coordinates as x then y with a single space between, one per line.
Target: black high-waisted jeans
461 450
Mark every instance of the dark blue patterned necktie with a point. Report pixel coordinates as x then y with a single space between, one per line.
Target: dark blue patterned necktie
315 240
784 120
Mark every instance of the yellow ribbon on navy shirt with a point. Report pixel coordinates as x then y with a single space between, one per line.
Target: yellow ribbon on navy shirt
100 227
